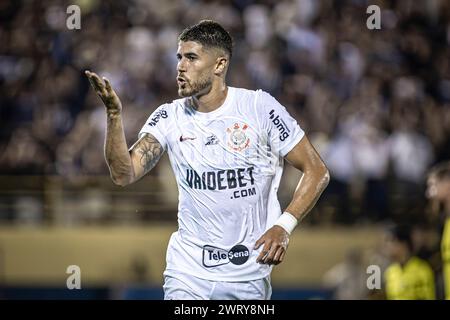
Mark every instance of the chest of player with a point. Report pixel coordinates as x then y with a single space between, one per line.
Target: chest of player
222 143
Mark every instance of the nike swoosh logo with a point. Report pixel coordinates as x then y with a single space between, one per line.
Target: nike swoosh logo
186 138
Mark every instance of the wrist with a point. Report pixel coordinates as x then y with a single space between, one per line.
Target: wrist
287 221
113 114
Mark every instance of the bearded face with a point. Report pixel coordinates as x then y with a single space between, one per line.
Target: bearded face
188 87
195 68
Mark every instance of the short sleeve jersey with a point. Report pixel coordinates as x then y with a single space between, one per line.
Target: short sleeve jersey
228 164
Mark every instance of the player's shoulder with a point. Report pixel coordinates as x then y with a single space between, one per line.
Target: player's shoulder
242 91
258 100
174 104
171 107
250 93
163 114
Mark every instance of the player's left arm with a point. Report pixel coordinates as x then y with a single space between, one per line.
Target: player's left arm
311 185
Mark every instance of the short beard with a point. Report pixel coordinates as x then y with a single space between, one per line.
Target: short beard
195 88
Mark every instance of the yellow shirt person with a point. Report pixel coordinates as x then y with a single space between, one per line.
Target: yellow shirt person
408 277
438 190
445 249
413 281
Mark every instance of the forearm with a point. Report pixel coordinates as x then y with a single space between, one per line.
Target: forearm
308 191
116 151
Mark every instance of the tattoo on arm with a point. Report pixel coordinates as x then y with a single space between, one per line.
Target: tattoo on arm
150 151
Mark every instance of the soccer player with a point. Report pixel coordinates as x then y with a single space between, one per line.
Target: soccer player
438 189
226 146
408 277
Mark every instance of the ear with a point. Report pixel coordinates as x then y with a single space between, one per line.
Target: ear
221 65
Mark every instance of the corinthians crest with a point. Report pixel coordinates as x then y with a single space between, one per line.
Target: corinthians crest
237 138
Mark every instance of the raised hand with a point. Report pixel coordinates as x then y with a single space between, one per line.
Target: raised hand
105 92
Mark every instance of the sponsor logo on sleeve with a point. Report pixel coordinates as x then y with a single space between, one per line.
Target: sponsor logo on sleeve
160 114
280 125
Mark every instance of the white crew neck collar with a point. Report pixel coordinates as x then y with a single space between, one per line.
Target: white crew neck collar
216 112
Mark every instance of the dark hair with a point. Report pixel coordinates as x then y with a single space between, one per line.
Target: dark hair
441 170
209 34
401 233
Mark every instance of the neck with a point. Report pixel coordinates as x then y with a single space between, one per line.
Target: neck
404 258
211 100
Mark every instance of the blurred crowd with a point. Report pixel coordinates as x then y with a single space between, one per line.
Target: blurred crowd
375 103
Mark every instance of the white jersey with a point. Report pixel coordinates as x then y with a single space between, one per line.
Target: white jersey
228 164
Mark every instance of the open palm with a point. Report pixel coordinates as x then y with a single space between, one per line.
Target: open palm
105 92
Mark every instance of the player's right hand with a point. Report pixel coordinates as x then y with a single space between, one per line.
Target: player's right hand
105 92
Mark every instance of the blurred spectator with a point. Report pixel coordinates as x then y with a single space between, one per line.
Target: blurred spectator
348 279
438 191
408 277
